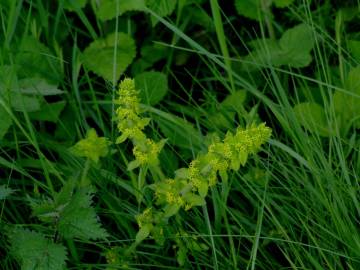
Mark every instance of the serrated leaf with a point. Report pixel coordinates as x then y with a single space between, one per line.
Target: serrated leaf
35 252
79 220
99 55
248 8
161 7
5 122
49 112
312 117
152 85
5 192
108 9
34 59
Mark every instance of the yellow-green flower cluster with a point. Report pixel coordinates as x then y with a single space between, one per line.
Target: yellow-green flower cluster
92 147
191 184
131 126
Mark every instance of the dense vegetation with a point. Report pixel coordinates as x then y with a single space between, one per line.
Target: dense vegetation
179 134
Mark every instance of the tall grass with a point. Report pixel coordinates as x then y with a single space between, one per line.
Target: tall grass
303 213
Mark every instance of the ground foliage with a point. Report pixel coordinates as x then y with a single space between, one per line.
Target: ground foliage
179 134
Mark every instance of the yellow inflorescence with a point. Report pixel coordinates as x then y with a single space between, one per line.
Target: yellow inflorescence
131 125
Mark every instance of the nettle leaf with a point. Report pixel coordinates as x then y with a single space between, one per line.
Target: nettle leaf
312 117
34 251
297 44
161 7
108 9
79 219
153 86
5 192
72 5
34 59
5 121
248 8
49 112
99 55
283 3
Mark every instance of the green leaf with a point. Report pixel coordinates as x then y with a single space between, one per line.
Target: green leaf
143 233
179 131
171 209
297 44
312 117
38 86
203 189
79 219
153 86
34 59
99 55
35 252
249 8
347 104
161 7
108 9
24 103
49 112
194 200
92 147
5 122
5 192
354 48
283 3
72 5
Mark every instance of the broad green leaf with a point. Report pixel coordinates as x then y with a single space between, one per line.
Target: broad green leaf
283 3
108 9
24 103
354 48
99 55
5 192
152 85
34 59
347 104
312 117
49 112
292 49
74 4
37 86
248 8
297 43
160 7
34 251
5 121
